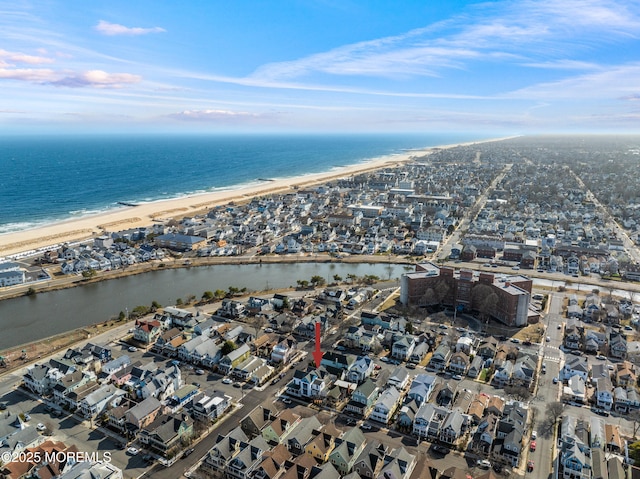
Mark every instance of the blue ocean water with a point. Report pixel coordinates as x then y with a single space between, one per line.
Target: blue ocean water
48 179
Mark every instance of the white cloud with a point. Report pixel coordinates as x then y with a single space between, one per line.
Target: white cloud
213 115
34 75
92 78
97 79
111 29
7 57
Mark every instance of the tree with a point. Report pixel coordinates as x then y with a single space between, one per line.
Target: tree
285 303
208 296
302 283
521 393
337 278
140 311
554 411
409 328
179 302
155 306
121 316
317 280
227 347
219 294
634 451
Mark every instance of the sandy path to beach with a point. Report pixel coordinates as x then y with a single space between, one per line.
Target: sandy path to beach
148 213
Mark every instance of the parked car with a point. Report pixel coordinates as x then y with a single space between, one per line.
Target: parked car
3 406
226 381
532 446
484 464
350 422
132 451
27 418
555 380
268 330
530 465
366 427
286 400
515 340
41 427
188 452
548 339
534 435
132 349
199 372
601 357
457 377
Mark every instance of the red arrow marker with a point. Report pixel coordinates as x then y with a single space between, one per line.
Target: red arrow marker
317 354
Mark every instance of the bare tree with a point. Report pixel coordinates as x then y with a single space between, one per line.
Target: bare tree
554 411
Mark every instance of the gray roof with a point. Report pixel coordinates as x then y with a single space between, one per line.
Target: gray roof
144 408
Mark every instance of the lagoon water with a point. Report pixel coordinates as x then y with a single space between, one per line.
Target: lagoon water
36 317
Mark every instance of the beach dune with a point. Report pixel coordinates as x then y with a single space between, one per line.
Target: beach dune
146 214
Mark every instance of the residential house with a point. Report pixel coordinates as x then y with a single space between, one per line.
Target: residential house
310 385
235 357
276 431
360 370
210 405
398 378
143 413
403 347
224 450
459 363
617 346
421 388
398 464
386 405
363 398
440 358
247 460
98 401
452 427
347 450
147 332
301 434
321 446
370 461
510 434
407 414
604 393
256 421
575 365
488 347
166 432
284 350
476 367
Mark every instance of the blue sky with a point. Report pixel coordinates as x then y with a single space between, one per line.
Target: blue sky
504 67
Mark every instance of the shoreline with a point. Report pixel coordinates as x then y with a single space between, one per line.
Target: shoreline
145 214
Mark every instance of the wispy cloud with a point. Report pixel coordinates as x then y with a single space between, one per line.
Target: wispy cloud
98 79
213 115
493 31
7 58
107 28
92 78
610 83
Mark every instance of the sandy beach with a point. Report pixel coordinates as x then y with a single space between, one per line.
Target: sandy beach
147 213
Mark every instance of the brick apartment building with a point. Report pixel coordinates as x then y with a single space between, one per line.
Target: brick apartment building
455 288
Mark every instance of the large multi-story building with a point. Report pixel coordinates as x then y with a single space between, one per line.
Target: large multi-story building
465 291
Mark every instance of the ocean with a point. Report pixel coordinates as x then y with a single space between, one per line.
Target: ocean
54 178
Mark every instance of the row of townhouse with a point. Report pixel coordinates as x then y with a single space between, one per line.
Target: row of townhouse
269 445
612 343
103 258
590 448
137 401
